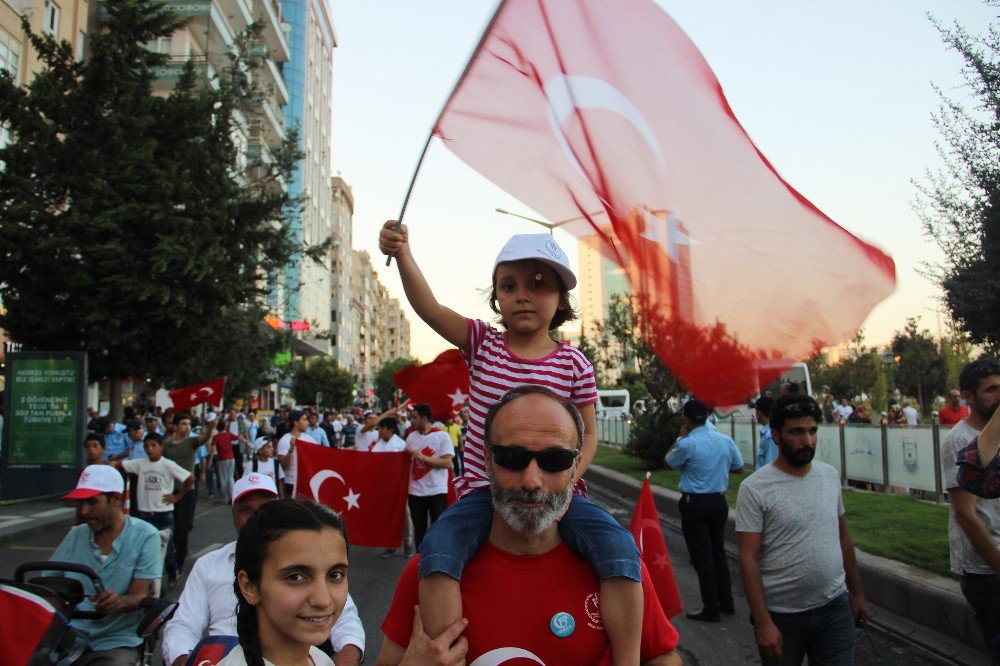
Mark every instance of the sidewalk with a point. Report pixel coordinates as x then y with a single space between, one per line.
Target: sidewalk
21 519
918 606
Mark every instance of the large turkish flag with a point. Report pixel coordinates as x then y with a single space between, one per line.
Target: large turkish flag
648 535
367 489
196 394
606 119
443 383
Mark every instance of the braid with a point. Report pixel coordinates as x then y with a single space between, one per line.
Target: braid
246 629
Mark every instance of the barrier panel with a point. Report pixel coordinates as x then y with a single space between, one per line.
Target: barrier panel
911 457
863 453
828 447
743 435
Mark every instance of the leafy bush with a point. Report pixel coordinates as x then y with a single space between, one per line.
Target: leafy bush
653 433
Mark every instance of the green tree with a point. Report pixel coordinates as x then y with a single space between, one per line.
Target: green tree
385 387
323 376
959 204
131 230
921 370
619 338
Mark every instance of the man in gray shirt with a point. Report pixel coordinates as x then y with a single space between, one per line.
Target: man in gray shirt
974 522
797 560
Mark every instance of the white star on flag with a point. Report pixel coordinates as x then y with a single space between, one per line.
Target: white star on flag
665 232
352 499
457 398
194 396
661 561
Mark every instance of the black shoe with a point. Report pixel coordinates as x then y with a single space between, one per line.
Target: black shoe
705 616
727 609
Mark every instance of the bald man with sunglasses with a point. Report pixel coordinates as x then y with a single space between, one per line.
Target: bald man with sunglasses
547 595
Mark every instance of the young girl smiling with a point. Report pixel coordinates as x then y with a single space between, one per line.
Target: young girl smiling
291 584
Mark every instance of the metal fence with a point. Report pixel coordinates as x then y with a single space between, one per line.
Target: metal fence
901 456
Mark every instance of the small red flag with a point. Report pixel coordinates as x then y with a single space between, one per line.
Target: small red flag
368 490
443 383
196 394
605 118
648 535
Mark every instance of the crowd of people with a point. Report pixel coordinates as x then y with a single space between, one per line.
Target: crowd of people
522 520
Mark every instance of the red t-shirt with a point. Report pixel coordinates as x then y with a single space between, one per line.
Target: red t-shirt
512 603
223 443
951 415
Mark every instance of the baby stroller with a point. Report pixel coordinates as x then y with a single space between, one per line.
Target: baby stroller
36 615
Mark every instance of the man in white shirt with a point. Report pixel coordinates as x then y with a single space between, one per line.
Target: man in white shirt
910 413
974 522
297 424
208 603
432 451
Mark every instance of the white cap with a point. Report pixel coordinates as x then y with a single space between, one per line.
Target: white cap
211 416
539 247
97 479
254 482
259 443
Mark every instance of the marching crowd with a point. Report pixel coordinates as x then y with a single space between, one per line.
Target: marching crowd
522 520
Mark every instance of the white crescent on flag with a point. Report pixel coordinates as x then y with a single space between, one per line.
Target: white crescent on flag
319 477
500 655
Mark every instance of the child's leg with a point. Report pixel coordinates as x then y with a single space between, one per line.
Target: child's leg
594 534
447 546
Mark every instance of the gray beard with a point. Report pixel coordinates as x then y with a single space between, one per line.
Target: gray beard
525 519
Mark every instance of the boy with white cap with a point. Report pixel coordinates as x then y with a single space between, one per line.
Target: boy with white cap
262 462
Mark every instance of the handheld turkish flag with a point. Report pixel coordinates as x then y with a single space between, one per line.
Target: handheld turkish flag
443 383
648 535
196 394
368 490
605 118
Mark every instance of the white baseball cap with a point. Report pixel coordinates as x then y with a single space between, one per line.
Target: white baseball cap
97 479
539 247
254 482
259 443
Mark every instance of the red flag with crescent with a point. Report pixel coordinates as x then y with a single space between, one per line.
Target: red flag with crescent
605 118
196 394
368 490
443 383
648 535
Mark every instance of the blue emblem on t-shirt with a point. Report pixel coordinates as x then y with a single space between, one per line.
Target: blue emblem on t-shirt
562 624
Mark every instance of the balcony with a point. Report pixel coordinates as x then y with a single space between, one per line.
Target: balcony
267 121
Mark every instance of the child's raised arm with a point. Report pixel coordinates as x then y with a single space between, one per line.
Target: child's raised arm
450 325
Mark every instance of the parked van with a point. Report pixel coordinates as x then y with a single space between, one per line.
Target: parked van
613 403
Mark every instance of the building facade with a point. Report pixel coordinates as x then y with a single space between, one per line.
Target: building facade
343 317
308 76
66 20
398 331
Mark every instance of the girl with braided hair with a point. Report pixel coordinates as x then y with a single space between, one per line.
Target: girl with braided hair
291 584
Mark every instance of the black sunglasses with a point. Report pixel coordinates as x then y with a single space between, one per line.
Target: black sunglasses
516 458
803 409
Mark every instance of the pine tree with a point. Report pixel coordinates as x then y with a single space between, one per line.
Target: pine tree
960 203
129 230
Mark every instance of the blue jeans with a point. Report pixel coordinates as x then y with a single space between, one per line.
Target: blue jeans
163 520
587 529
825 634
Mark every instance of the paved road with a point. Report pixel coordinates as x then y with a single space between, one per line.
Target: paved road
373 578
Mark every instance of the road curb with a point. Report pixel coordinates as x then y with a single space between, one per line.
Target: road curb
921 607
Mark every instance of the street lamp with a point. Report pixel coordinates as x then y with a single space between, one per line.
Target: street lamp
547 225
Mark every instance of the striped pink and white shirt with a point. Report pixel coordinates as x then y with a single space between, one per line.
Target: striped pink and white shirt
494 370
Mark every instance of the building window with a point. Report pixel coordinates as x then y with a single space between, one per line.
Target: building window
51 24
10 54
80 45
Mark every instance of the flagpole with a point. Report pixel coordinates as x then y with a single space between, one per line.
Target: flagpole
430 135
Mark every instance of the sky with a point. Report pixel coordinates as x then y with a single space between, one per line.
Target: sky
838 96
